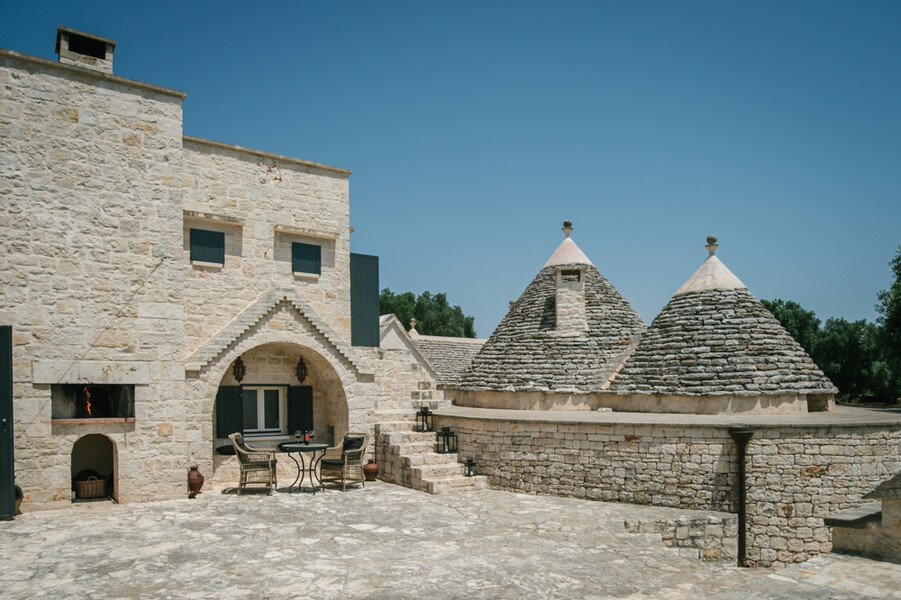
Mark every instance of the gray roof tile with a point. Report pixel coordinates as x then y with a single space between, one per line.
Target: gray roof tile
525 353
719 341
450 357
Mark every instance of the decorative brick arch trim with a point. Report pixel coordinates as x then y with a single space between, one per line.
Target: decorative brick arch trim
254 314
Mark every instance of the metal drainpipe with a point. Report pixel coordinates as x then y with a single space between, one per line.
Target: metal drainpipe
742 435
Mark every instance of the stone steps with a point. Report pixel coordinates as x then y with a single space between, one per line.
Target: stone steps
456 484
402 437
387 426
432 458
408 448
409 458
394 419
438 471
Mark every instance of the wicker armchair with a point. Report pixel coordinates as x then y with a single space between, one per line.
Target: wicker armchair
257 465
345 465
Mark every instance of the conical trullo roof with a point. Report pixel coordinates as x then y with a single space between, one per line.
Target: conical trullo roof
714 338
568 332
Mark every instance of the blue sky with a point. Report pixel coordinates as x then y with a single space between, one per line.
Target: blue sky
473 129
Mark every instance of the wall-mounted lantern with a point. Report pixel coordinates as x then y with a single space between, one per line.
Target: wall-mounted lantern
447 441
301 370
424 419
239 370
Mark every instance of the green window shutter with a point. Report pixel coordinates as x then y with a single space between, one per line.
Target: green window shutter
229 410
208 246
300 408
306 258
364 300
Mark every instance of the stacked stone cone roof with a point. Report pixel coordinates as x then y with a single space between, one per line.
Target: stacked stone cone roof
526 352
713 338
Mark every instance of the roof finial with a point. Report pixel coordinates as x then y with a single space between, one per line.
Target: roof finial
711 245
567 227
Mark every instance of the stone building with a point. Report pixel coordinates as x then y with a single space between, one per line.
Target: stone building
560 344
141 266
167 290
714 349
572 396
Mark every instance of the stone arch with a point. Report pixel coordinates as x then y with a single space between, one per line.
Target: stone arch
97 453
275 363
281 325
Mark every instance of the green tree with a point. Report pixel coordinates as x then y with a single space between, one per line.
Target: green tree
847 352
889 320
433 314
802 324
889 308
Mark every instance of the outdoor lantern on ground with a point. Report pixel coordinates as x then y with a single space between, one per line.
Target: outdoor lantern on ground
424 419
470 467
447 441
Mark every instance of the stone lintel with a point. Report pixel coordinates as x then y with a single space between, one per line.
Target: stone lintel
309 233
90 371
205 216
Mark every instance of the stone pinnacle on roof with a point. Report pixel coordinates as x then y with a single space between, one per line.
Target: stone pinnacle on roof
712 275
567 253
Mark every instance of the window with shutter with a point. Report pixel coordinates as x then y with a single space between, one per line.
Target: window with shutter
300 408
229 411
306 258
207 246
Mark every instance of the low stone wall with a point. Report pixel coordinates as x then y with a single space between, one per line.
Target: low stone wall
712 538
872 530
797 474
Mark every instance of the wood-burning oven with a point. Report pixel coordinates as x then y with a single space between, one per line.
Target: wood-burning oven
92 401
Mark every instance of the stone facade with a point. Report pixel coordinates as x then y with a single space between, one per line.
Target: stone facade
90 176
100 191
263 203
797 475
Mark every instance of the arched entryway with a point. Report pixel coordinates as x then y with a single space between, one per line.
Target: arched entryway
94 468
277 389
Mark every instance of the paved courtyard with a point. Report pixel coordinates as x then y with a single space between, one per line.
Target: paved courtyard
388 542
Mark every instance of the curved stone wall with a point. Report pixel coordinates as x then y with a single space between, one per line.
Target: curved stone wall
799 471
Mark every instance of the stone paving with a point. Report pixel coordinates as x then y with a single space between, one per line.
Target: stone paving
386 541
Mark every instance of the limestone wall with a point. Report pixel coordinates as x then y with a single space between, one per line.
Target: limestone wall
405 379
91 268
248 194
796 475
346 393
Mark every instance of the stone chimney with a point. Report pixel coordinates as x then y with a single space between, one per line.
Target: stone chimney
84 49
570 296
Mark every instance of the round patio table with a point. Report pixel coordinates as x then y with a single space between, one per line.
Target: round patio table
304 467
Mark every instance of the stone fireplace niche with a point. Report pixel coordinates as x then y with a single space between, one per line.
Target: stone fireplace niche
94 455
99 402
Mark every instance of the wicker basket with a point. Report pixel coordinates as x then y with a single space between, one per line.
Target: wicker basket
92 487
